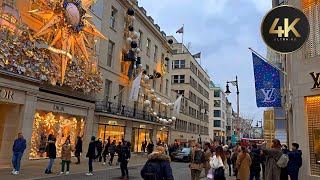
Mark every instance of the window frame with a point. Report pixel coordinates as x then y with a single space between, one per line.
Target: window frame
113 18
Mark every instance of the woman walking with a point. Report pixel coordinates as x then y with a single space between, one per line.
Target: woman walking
273 171
66 156
243 164
51 152
91 154
78 149
217 163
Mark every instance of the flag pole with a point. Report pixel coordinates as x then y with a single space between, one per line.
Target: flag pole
182 38
270 63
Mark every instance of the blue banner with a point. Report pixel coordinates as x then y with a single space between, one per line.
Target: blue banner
267 81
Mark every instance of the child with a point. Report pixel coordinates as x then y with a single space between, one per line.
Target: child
66 156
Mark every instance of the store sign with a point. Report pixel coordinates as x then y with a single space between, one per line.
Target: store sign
316 79
58 108
142 126
113 122
6 94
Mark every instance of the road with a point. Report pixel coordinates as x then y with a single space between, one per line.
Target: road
181 171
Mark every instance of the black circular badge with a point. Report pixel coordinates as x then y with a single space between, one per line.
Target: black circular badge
285 29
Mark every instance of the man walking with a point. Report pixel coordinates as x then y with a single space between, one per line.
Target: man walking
255 167
207 156
18 148
112 151
295 161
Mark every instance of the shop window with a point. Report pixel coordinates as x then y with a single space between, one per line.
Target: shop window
313 115
62 126
138 137
112 133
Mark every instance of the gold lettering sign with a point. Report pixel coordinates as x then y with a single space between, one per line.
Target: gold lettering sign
58 108
316 79
6 94
142 126
113 122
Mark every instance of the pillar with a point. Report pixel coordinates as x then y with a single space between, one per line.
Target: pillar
128 131
88 131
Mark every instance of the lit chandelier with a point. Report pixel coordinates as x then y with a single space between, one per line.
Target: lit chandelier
64 30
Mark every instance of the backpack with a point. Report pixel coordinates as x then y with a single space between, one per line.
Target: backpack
152 170
198 157
283 161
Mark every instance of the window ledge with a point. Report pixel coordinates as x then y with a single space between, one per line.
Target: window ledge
113 29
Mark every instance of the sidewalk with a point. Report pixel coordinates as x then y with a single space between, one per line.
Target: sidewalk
35 170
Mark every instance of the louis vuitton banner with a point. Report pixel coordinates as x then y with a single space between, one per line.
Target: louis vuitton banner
267 81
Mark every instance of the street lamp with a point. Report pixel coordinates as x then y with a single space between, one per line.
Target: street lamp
236 84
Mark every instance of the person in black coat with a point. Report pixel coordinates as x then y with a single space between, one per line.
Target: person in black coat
150 147
91 154
255 167
295 161
124 160
78 149
51 152
99 149
161 163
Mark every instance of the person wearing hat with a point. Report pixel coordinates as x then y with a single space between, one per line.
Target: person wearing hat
91 154
295 161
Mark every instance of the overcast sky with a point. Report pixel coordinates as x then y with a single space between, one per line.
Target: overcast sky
222 30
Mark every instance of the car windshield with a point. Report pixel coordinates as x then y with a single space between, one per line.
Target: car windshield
185 150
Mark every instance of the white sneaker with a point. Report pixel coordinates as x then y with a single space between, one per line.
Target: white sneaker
104 163
15 172
61 173
89 174
67 172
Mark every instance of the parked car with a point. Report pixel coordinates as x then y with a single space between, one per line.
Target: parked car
183 154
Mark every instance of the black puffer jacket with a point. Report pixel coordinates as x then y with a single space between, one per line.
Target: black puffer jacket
161 163
255 159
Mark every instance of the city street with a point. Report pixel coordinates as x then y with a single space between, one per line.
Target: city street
181 171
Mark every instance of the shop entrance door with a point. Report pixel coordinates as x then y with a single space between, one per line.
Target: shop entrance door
106 132
139 136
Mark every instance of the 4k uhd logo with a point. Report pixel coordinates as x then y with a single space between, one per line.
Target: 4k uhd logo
285 29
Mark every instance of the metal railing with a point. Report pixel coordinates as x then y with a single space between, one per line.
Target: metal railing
126 111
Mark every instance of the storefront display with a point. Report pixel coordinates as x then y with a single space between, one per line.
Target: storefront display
313 114
62 126
113 132
162 136
139 136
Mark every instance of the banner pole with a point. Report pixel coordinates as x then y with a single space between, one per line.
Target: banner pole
283 72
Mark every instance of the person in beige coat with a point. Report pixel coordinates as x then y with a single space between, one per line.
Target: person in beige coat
66 156
197 158
207 156
243 164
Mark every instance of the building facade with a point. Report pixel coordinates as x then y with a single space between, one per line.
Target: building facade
115 116
218 113
190 79
230 118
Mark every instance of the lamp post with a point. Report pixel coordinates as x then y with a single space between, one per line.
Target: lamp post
236 84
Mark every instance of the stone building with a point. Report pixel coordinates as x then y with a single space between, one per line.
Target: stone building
218 113
191 80
115 116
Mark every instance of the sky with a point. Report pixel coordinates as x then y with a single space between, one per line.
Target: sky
222 30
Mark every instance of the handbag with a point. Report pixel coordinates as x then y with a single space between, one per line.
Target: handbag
210 174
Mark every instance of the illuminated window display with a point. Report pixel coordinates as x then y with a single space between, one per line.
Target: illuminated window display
114 132
139 136
62 126
163 136
313 113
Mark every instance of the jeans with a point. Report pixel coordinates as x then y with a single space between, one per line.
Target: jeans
229 167
90 165
294 175
195 174
124 168
63 163
50 164
254 174
111 157
16 159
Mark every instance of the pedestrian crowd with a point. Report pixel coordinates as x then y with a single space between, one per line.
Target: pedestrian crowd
245 163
